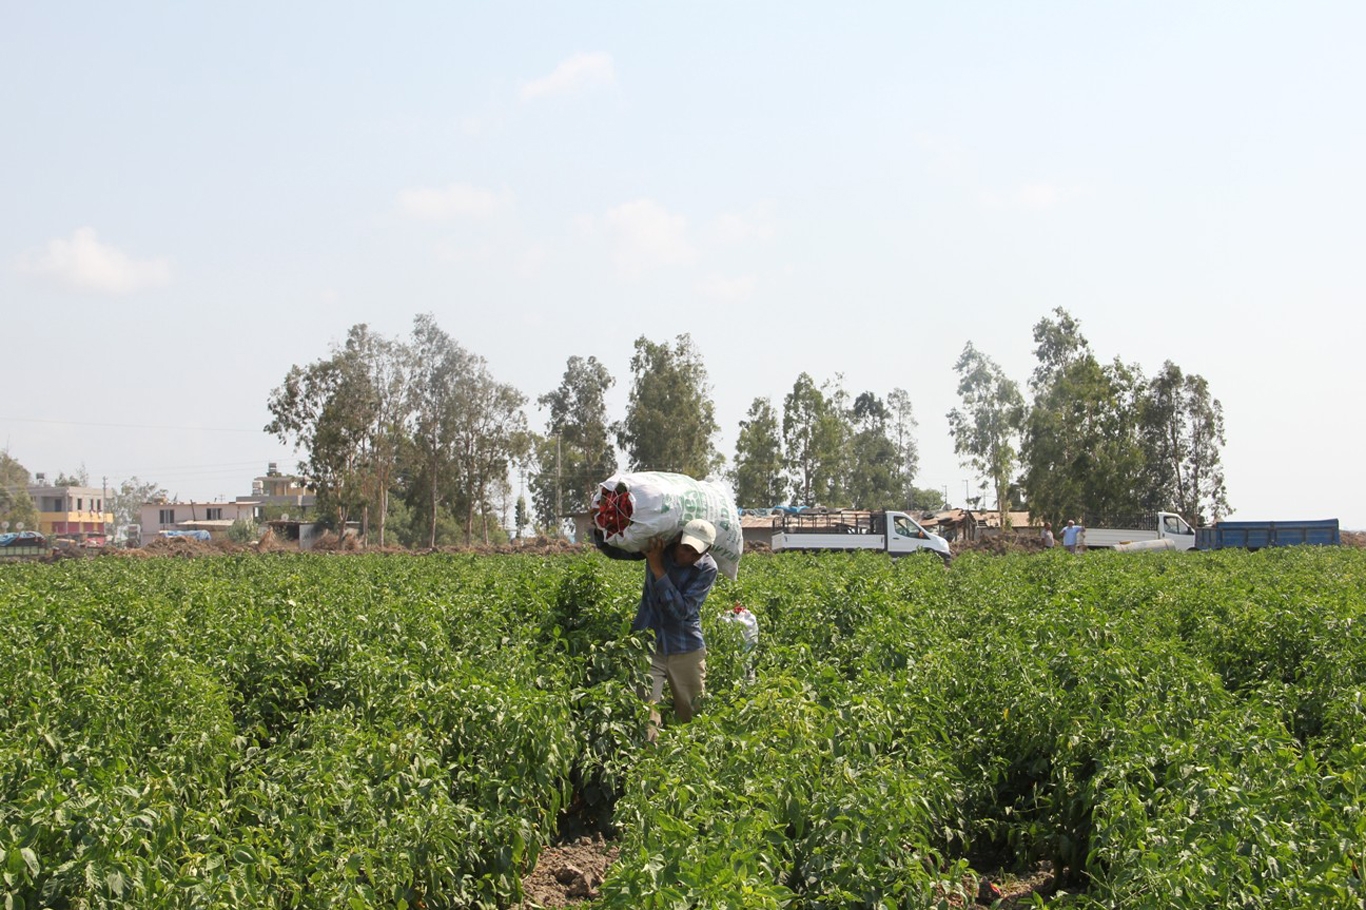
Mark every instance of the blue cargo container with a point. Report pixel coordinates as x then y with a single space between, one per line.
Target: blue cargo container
1253 535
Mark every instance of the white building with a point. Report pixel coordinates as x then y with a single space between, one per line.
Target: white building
214 517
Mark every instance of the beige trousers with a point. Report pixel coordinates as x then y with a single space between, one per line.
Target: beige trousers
686 675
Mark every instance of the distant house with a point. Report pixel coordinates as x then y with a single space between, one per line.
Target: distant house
75 513
214 517
285 492
758 530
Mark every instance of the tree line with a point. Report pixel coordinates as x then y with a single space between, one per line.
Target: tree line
1099 442
416 439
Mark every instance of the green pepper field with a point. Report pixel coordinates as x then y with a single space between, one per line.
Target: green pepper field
1165 730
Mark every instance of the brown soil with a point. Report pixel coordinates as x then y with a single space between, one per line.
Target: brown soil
569 873
572 873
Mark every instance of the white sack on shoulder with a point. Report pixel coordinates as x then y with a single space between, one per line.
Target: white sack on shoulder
663 503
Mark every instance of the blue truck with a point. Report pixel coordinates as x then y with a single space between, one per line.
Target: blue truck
1254 535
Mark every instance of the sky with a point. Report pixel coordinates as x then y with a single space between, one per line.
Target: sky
194 197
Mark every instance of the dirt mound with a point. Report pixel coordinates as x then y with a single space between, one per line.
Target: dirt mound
329 542
999 546
183 547
569 873
1354 539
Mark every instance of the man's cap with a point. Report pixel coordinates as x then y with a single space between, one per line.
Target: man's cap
699 535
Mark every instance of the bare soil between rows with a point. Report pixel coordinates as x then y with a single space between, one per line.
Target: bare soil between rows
572 873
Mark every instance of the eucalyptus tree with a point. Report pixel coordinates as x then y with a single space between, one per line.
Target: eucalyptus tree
331 409
815 434
901 430
127 499
576 450
488 434
1182 429
876 477
1081 449
387 362
670 422
758 473
986 428
438 363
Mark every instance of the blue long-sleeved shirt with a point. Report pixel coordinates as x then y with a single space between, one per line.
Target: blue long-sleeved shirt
672 605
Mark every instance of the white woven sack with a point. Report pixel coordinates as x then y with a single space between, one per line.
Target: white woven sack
661 504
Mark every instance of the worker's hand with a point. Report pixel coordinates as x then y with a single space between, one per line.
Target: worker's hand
654 556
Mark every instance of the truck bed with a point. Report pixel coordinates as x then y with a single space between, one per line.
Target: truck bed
813 541
1253 535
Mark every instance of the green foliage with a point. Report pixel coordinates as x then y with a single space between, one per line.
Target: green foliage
243 530
758 472
670 422
1168 729
126 502
815 434
16 506
1102 444
577 450
986 428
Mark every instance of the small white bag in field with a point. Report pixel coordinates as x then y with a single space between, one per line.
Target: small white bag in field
631 509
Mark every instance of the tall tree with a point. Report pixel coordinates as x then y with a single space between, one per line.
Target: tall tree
577 449
126 502
488 434
987 426
1081 452
386 362
902 433
16 506
329 409
876 477
1182 430
814 438
758 472
670 422
1058 344
438 365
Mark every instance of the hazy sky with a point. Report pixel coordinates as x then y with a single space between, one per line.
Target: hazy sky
193 197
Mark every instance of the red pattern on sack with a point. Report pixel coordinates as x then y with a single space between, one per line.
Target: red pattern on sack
614 512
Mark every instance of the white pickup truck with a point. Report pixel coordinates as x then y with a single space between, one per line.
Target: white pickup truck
848 529
1166 526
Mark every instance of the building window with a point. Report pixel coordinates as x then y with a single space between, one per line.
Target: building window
80 504
213 514
167 516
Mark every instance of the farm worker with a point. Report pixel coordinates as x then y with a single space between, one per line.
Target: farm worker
1071 535
678 578
1047 535
749 630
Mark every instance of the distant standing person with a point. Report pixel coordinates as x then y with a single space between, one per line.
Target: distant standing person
1071 535
1047 535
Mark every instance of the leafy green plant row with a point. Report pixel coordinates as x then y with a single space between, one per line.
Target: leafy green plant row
1169 730
294 732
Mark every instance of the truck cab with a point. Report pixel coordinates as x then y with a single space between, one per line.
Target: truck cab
906 536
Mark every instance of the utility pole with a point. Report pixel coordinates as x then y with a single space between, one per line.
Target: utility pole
559 502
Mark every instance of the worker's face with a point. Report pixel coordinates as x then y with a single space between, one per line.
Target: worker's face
685 555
